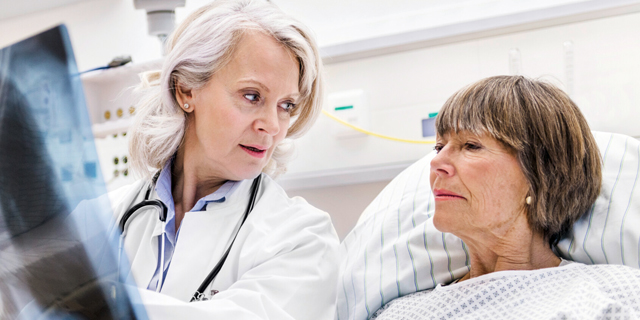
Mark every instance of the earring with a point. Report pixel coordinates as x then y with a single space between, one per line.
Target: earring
186 106
528 200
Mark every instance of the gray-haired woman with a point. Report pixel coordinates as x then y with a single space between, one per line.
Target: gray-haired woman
240 77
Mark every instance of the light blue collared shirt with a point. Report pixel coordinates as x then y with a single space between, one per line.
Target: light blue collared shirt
163 189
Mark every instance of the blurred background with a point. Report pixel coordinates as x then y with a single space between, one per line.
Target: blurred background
389 65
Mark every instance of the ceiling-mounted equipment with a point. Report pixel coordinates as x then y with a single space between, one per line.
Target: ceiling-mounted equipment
161 15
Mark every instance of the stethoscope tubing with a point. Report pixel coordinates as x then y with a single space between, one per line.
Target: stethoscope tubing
199 294
126 218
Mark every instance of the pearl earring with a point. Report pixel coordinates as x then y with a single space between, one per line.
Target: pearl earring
528 200
186 106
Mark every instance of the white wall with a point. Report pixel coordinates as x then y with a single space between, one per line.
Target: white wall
405 87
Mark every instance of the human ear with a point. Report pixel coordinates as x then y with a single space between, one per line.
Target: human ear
184 97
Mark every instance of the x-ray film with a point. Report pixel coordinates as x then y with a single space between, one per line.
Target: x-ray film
57 260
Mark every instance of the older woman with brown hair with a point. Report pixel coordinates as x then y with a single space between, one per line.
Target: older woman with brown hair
516 166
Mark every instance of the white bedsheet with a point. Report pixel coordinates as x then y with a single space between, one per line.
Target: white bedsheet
574 291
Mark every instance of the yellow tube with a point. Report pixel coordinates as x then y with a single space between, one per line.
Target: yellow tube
373 133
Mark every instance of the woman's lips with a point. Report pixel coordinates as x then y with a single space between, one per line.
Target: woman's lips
254 150
444 194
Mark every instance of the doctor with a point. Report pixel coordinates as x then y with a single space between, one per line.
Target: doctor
239 78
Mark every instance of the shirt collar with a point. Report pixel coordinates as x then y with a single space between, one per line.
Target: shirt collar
163 189
219 195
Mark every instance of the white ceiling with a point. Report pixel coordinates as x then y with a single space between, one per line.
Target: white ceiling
15 8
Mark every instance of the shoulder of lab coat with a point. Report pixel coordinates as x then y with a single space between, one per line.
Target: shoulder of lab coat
91 216
284 265
293 254
124 197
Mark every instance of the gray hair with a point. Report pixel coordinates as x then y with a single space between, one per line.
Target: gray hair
199 47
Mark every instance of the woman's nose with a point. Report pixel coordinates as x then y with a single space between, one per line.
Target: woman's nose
268 120
442 164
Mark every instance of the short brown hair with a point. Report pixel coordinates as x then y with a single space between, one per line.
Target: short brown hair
550 137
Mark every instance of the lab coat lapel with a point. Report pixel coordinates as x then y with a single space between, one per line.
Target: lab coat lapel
141 245
202 240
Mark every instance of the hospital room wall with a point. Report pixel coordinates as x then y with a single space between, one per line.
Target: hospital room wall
403 88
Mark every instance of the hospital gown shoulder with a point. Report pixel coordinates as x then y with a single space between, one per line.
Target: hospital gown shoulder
573 291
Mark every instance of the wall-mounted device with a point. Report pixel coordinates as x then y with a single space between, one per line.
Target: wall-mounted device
349 106
161 15
429 125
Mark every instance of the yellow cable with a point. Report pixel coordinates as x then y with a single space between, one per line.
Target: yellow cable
373 133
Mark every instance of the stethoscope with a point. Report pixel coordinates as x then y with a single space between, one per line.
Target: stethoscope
162 208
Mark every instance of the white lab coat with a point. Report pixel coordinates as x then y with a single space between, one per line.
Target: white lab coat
283 265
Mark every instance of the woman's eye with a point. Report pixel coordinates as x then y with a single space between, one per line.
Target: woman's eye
471 146
438 147
287 106
253 97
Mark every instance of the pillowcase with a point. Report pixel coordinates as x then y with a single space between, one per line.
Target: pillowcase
395 250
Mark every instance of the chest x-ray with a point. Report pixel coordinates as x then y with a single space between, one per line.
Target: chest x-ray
54 263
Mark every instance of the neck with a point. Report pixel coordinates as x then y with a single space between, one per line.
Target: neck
190 182
517 249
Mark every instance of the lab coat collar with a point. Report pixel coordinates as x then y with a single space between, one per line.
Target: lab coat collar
164 193
214 228
239 191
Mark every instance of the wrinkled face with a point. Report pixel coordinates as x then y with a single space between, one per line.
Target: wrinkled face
478 185
243 112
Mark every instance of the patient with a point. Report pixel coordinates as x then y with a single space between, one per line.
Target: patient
516 166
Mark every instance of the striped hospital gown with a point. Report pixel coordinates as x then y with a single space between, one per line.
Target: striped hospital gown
575 291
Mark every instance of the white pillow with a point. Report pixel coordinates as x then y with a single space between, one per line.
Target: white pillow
394 249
